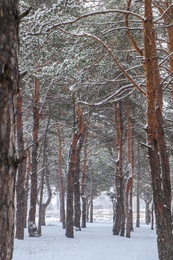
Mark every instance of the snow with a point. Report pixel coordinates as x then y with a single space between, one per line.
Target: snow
95 242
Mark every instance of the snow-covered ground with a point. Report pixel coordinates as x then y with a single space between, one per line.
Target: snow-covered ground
95 242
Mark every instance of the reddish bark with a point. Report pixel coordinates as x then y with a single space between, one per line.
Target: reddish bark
158 157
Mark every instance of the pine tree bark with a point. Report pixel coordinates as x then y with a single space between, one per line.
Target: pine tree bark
83 195
76 186
20 184
36 119
8 94
91 198
72 167
158 157
60 176
138 193
119 223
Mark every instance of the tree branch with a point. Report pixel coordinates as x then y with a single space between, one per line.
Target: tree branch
21 16
96 13
110 53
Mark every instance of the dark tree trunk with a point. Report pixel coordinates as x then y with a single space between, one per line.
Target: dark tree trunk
129 186
76 186
138 193
28 171
43 215
84 199
8 94
158 156
45 168
128 210
60 176
91 198
36 117
70 175
152 217
20 184
83 212
72 167
119 221
147 213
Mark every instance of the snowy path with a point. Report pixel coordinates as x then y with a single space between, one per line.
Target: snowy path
96 242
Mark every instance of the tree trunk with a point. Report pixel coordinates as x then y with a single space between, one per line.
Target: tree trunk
20 184
152 217
36 117
91 198
147 213
70 175
28 171
76 186
158 157
43 215
8 93
119 222
44 167
60 176
129 186
128 223
138 193
72 167
83 195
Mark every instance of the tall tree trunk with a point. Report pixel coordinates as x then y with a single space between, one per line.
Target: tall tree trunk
76 186
8 92
60 176
138 193
129 186
83 195
36 119
44 167
72 167
91 198
20 184
158 157
28 171
119 223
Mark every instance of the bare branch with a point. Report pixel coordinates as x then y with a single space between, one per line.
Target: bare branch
129 32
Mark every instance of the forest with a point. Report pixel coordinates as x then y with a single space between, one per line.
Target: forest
86 96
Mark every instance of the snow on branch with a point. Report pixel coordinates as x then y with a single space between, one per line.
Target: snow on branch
160 17
87 35
124 12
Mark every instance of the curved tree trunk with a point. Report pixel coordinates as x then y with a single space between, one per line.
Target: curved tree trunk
8 92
